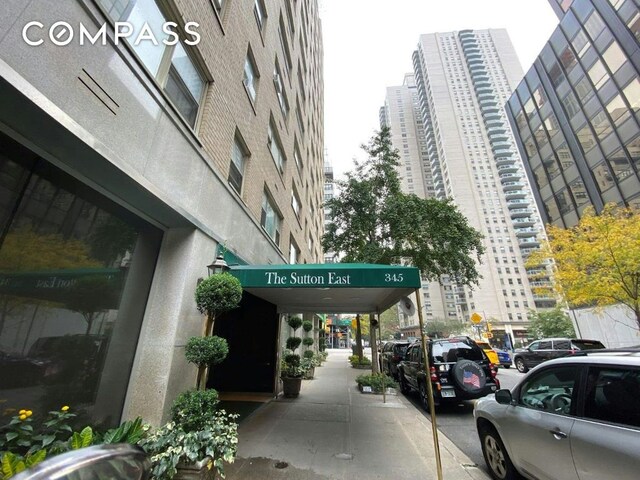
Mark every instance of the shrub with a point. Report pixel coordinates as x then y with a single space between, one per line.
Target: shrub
308 354
192 409
307 341
307 325
290 366
293 342
294 322
204 351
376 382
172 444
355 361
218 294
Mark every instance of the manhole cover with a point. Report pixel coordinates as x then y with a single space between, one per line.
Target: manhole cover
282 465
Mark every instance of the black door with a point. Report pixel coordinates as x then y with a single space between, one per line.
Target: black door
252 333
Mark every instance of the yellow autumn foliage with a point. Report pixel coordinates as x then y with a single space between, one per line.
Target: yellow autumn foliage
597 262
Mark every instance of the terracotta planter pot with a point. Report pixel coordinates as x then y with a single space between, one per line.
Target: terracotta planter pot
291 386
195 471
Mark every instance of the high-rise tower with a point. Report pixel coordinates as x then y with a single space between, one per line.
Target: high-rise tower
468 154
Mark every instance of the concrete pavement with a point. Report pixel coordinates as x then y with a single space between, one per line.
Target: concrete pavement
332 431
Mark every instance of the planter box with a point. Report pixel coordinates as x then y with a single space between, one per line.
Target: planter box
291 387
195 471
361 367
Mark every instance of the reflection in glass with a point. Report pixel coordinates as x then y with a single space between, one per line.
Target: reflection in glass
579 193
603 177
585 137
620 165
65 257
565 157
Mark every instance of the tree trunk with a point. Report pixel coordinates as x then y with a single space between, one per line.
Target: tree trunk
373 342
358 338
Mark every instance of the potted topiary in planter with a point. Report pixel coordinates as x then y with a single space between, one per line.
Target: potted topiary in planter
205 352
309 364
291 371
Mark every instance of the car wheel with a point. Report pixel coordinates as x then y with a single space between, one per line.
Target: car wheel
424 396
522 368
496 456
506 366
404 388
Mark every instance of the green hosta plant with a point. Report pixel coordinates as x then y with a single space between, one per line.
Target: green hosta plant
171 444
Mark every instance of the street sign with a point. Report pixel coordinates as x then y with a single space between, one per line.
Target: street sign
476 318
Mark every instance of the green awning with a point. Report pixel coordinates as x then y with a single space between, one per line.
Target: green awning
329 288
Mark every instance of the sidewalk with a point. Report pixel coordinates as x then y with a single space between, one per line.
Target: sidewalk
332 431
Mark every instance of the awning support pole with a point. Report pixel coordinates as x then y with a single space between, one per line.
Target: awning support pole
427 369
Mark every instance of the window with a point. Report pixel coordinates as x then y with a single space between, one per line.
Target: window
260 12
279 85
614 57
598 74
170 65
297 157
294 252
295 201
250 79
551 390
239 156
603 177
270 219
275 148
613 395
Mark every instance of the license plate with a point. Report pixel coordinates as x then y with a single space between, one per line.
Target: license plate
448 393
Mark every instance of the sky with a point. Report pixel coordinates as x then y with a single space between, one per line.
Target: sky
368 46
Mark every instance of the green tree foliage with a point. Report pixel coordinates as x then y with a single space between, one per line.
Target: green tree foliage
551 323
442 328
218 294
374 222
203 351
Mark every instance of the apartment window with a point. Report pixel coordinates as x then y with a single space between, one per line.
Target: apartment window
294 252
251 75
297 157
239 156
275 147
295 201
279 86
598 74
270 219
170 65
614 57
260 13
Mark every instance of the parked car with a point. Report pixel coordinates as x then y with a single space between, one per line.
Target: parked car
488 349
550 348
459 370
392 354
576 417
504 357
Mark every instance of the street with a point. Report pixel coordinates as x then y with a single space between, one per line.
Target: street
456 421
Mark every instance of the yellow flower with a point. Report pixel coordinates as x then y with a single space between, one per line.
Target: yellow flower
29 413
65 408
22 412
22 417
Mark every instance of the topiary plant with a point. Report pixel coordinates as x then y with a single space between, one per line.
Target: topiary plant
307 325
218 294
194 408
205 351
295 323
308 354
307 341
293 342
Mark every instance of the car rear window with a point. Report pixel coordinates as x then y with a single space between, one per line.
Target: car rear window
587 344
401 349
456 349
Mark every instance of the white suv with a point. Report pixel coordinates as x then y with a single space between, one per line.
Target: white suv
572 418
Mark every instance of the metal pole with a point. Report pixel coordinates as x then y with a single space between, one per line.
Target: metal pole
427 369
382 375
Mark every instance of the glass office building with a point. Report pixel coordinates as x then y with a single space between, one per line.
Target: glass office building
576 113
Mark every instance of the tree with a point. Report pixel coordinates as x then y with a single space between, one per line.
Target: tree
442 329
550 323
374 222
597 262
389 323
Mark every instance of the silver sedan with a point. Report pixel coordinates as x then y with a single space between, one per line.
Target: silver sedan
574 418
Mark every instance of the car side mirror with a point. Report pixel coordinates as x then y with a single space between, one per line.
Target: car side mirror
504 397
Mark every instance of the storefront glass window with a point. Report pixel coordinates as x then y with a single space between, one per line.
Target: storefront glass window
70 309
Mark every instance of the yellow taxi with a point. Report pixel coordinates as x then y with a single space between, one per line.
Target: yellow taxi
488 349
